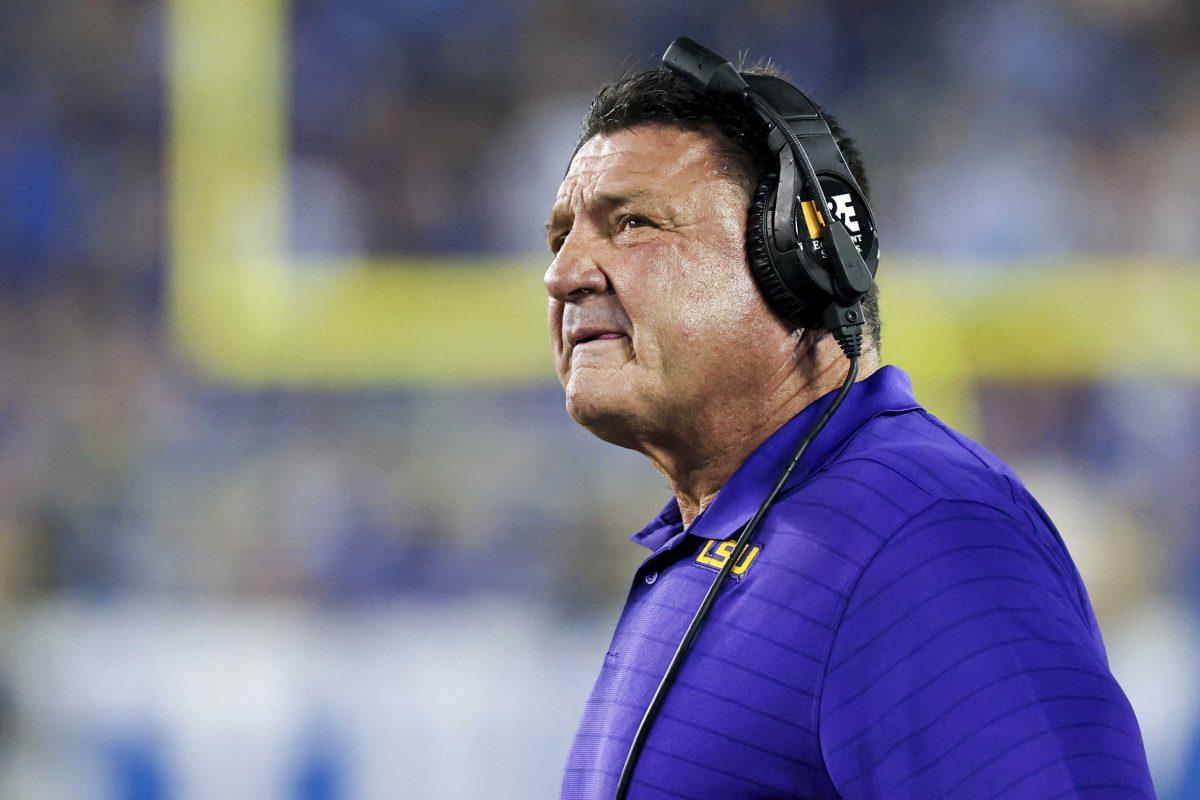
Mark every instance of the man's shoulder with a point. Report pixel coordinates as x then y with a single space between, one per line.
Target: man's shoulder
961 608
907 471
914 454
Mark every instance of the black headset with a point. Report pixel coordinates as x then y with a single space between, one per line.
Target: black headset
813 260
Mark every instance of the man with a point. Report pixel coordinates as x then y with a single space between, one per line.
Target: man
906 622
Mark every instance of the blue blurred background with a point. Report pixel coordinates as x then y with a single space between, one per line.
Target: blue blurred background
240 583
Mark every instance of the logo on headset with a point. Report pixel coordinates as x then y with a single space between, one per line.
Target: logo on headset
840 199
843 207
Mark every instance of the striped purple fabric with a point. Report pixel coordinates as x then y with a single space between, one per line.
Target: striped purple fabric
909 625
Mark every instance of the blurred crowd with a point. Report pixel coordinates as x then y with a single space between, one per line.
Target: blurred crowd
1016 129
992 132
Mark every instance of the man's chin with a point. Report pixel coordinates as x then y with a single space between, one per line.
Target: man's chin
606 417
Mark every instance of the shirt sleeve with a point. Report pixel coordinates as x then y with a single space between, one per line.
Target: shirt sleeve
966 665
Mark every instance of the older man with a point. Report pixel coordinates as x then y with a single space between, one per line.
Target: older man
905 622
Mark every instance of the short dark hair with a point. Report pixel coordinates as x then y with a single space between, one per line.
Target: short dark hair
661 97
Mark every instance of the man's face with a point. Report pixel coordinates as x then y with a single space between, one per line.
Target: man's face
653 314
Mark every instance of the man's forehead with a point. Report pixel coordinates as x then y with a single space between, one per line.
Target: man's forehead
644 155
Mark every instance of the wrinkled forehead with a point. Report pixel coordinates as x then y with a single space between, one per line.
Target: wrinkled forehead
640 158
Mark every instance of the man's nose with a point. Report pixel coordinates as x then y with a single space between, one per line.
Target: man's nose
574 272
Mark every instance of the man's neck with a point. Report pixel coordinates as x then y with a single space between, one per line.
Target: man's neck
728 435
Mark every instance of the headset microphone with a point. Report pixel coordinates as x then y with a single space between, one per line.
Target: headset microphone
702 66
813 260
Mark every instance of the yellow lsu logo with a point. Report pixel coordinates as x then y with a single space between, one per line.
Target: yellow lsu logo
715 554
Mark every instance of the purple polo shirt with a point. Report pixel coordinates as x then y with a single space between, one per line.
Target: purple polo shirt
909 626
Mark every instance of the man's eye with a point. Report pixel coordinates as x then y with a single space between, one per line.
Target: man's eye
630 221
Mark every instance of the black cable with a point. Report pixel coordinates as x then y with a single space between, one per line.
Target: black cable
798 152
693 629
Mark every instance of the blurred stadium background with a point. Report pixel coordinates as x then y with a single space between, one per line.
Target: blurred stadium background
289 506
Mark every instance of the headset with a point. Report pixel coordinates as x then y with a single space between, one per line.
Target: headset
814 261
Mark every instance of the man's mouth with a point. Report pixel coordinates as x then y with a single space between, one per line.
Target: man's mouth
600 337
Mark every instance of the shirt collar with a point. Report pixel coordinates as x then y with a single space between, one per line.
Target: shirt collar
668 523
887 390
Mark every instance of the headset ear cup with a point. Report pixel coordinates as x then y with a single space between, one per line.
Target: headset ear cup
783 301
